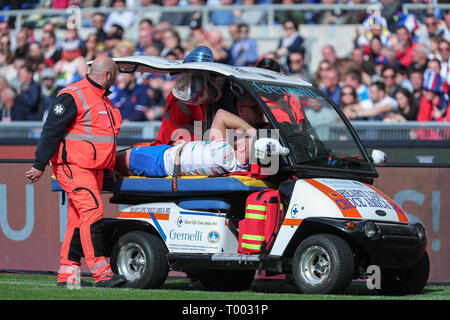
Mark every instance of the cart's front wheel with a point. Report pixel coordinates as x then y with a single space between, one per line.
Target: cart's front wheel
323 264
142 258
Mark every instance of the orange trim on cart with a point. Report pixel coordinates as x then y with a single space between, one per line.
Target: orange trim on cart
292 222
145 215
346 208
399 211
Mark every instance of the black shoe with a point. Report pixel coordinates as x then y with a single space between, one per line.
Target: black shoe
74 285
112 281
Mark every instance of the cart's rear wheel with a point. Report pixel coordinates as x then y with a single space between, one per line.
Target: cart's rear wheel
142 258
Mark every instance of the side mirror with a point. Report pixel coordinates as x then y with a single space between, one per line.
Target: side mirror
265 147
379 158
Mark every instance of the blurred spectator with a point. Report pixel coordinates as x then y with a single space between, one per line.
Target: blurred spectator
362 64
297 67
35 56
7 102
431 29
115 35
389 74
403 46
11 72
49 91
353 79
222 17
253 16
124 48
98 21
320 116
447 25
323 68
429 107
434 65
407 107
416 79
329 54
130 98
332 88
244 52
6 55
218 46
145 36
160 28
72 66
329 16
178 18
170 39
381 62
444 51
348 97
420 58
195 18
197 37
402 79
51 54
375 108
90 47
26 106
296 16
373 26
124 18
269 64
291 41
21 44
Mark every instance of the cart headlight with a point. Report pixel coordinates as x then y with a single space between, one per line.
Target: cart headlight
420 231
370 229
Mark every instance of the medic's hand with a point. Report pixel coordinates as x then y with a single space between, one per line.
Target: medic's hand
114 174
34 174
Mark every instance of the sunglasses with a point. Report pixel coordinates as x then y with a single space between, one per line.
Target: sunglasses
389 76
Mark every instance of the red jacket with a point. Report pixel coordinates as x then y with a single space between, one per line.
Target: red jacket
176 116
91 138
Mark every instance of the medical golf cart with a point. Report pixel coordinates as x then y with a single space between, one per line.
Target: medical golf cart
316 216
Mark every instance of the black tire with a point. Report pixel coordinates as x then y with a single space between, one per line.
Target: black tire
142 258
403 282
323 264
227 280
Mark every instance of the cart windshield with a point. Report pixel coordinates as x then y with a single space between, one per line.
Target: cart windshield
311 127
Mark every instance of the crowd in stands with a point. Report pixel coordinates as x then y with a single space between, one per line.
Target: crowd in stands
398 70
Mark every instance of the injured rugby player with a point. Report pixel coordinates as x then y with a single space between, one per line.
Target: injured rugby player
221 154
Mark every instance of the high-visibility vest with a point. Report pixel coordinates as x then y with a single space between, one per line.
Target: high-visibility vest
91 139
178 122
263 213
287 109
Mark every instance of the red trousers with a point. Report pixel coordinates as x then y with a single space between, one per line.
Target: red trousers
84 233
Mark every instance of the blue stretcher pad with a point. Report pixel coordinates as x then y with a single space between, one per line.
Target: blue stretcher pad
192 185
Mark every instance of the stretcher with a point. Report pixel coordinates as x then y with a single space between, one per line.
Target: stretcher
189 185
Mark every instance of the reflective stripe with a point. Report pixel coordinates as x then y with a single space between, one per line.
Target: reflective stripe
255 216
251 246
252 237
89 137
87 115
256 207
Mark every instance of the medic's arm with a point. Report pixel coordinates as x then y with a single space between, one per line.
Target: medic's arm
60 115
224 120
